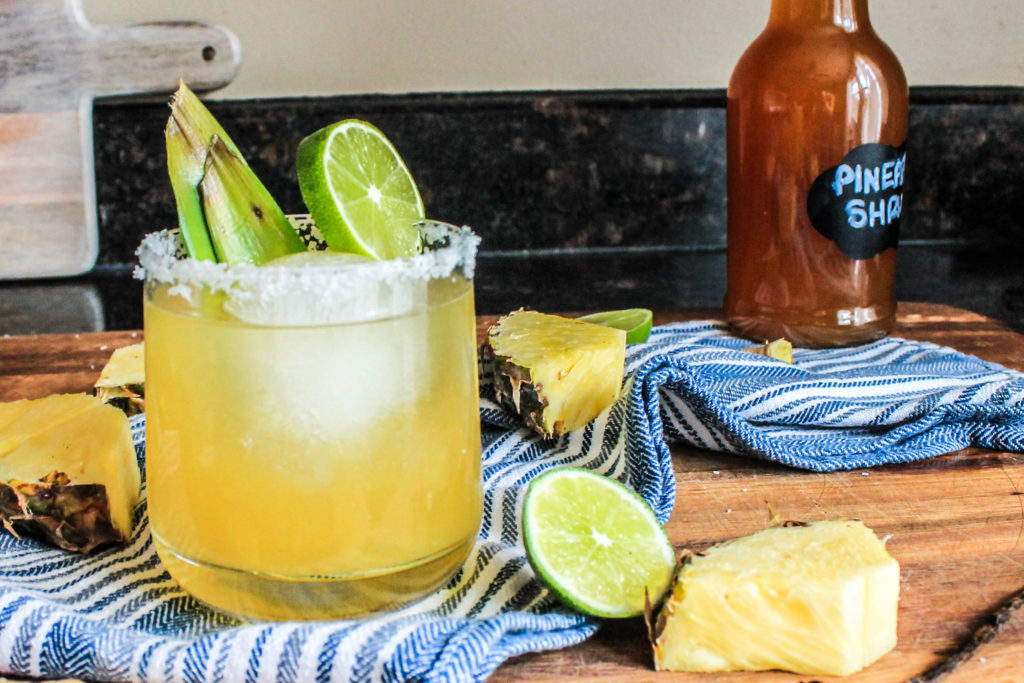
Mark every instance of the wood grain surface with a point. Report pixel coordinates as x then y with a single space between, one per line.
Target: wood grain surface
53 63
956 523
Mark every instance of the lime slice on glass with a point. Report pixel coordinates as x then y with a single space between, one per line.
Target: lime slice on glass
595 543
635 321
359 191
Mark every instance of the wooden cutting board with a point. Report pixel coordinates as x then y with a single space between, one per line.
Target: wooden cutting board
53 63
956 523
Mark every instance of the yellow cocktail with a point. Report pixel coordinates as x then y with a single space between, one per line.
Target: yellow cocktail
313 438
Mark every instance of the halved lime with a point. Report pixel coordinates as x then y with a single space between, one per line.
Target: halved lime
595 543
635 321
359 191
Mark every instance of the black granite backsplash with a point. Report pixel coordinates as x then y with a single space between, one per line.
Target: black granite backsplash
541 171
584 200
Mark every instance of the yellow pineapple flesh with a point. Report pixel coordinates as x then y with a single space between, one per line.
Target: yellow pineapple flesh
68 471
780 349
557 374
122 381
818 599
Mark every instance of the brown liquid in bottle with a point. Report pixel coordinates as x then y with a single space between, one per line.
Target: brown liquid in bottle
817 83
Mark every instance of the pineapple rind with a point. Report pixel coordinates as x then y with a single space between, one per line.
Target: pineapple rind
86 440
815 599
556 373
72 517
130 399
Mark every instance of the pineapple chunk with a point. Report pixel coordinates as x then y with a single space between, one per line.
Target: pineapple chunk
122 382
780 349
557 374
70 469
817 599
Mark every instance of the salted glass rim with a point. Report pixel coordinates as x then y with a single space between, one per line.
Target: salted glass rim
447 249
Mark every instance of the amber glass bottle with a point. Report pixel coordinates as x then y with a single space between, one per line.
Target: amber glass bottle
817 121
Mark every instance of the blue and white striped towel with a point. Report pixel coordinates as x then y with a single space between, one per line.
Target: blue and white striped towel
118 616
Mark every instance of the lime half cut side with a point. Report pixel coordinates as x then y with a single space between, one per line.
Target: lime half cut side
635 321
595 543
359 191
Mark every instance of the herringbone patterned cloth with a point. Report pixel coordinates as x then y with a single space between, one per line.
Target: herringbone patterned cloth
118 616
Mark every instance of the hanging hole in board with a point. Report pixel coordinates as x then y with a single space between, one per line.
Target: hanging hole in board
209 52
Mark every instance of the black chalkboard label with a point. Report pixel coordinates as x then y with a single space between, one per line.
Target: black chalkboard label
858 203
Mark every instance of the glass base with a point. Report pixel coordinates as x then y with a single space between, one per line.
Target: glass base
252 595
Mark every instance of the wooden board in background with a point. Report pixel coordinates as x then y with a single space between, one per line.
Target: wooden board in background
53 64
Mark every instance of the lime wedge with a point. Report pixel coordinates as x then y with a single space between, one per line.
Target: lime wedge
635 321
595 543
359 191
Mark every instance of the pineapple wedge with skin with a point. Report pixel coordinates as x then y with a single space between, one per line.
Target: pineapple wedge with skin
68 471
556 374
245 223
122 381
224 212
816 599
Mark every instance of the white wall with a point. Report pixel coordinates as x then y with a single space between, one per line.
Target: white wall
330 47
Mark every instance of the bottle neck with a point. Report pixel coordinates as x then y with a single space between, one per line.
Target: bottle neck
848 15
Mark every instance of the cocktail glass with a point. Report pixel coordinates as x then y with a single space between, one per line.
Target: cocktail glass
313 435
